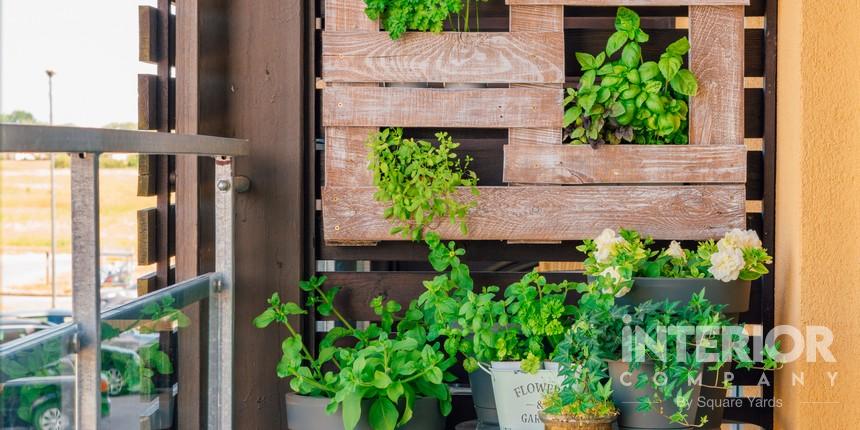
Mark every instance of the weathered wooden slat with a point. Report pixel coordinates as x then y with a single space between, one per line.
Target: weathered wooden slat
347 15
146 185
147 24
146 175
552 213
147 228
431 107
530 57
537 18
716 57
147 102
346 156
541 136
643 3
619 164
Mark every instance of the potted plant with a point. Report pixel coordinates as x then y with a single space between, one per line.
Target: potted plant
384 376
658 370
626 99
506 342
584 399
624 264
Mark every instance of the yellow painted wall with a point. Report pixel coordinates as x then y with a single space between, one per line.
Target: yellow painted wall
818 204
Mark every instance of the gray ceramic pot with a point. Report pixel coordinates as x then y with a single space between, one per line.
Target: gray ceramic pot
626 400
735 295
484 399
308 413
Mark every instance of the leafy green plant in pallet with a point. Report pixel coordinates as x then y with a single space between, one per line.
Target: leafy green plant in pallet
419 181
627 100
398 16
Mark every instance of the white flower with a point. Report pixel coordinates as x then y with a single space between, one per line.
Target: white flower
613 273
675 251
606 243
727 263
738 238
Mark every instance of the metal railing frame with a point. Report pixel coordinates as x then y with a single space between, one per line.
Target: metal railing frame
85 145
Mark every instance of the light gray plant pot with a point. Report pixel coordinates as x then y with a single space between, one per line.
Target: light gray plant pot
485 401
626 398
308 413
735 295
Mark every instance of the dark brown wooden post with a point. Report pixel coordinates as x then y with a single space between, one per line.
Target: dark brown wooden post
266 88
201 95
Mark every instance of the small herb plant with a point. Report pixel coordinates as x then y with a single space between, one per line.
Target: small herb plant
615 258
391 363
626 99
585 392
525 324
399 16
419 180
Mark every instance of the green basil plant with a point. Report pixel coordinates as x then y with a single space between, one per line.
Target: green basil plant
626 99
390 363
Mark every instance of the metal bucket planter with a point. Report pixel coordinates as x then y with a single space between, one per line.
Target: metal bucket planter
561 422
625 396
519 394
308 413
485 401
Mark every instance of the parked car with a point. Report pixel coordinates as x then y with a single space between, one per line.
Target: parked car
121 366
37 402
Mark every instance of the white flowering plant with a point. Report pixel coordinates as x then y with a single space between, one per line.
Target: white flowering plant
616 258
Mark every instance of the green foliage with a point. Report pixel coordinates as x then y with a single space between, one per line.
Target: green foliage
591 336
526 323
389 363
626 99
398 16
419 180
616 259
651 317
18 117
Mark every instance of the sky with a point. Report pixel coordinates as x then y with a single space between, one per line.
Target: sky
90 44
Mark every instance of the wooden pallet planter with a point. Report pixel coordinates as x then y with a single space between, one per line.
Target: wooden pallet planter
694 191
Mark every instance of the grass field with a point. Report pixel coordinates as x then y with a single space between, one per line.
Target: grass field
25 208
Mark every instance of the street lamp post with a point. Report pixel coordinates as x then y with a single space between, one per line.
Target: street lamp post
51 74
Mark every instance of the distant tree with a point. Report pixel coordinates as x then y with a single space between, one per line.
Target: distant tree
18 117
122 125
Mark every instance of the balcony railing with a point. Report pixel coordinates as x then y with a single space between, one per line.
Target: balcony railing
83 335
